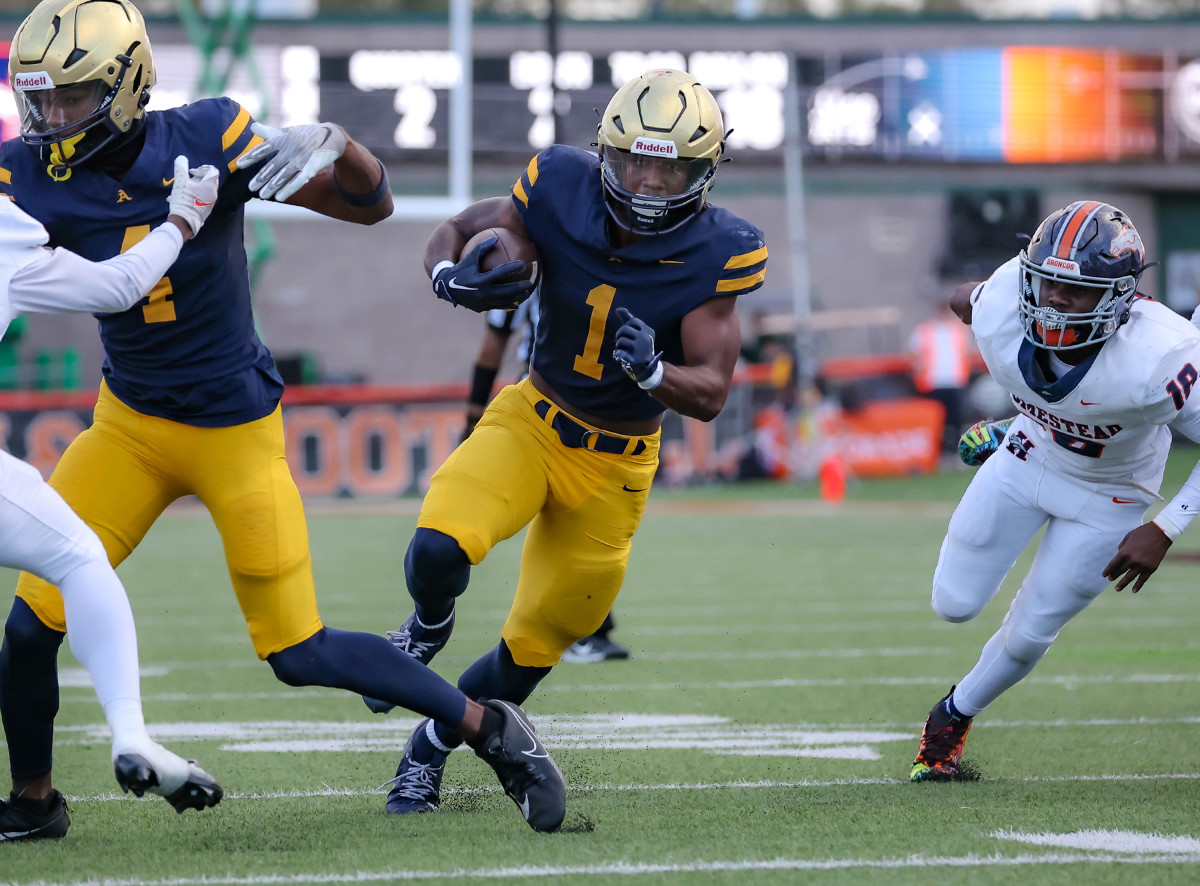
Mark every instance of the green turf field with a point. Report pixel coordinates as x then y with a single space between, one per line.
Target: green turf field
785 656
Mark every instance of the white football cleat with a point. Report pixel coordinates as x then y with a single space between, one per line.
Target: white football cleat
153 768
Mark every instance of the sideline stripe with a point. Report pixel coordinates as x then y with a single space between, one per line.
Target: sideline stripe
626 869
657 788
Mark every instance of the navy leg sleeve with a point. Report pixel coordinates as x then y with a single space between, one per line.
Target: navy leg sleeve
29 691
495 675
368 665
437 571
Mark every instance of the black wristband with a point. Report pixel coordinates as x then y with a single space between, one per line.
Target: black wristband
481 385
361 200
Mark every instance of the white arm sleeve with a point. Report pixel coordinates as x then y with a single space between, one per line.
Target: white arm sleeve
1179 512
59 281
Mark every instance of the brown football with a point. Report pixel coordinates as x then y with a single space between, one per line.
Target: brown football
511 247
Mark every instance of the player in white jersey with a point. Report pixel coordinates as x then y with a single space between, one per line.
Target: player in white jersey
1097 374
39 533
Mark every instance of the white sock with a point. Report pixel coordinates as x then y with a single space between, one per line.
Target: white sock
102 636
994 673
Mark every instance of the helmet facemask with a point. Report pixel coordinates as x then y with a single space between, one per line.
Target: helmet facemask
80 137
678 193
1050 329
1091 245
660 140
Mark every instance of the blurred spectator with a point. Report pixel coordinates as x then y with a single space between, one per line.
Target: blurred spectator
941 349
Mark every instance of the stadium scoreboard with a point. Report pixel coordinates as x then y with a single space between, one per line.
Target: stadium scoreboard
987 105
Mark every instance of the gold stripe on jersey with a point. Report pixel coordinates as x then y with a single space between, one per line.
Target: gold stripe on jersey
531 173
742 284
5 176
747 259
253 143
236 128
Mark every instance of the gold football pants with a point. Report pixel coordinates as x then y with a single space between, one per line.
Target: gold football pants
122 472
582 508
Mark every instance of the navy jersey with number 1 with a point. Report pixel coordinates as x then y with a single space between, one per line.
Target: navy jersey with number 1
659 279
189 351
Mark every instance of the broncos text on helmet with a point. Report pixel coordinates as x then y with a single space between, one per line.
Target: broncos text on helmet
81 73
660 140
1088 244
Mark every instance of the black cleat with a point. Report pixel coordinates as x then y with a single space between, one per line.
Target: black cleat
417 786
22 819
593 649
416 641
198 790
526 770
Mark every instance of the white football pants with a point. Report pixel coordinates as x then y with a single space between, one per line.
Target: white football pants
1007 502
39 533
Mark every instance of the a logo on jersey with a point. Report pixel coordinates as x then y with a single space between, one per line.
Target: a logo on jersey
1129 240
122 196
1062 264
32 80
167 181
655 147
1019 445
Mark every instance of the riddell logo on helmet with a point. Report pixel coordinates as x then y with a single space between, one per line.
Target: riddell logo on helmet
655 147
1062 264
32 80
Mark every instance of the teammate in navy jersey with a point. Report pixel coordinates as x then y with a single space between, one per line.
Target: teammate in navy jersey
189 404
639 282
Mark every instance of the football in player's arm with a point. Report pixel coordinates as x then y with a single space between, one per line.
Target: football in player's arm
639 278
1097 373
189 401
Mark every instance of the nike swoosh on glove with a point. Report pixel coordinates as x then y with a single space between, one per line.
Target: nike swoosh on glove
466 283
293 156
193 193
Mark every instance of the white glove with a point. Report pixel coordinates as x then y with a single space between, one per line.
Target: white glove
194 193
296 154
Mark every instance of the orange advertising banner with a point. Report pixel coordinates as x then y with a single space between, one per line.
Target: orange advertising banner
887 437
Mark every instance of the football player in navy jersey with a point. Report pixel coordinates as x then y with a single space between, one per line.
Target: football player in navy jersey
599 645
189 402
639 280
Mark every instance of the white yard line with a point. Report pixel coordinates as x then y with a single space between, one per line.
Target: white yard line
661 788
1107 841
635 869
1067 680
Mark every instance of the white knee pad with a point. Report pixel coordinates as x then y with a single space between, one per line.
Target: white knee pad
954 607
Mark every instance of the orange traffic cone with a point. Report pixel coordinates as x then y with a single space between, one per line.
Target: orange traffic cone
832 476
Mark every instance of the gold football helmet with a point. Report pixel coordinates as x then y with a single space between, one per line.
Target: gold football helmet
81 72
660 140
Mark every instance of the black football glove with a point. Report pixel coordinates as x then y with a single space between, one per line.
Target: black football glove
635 351
478 290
